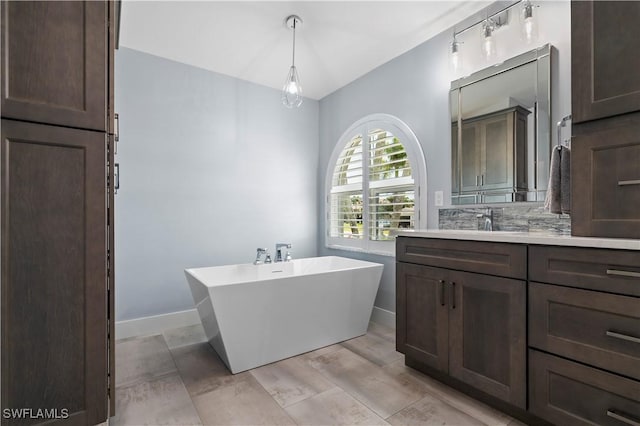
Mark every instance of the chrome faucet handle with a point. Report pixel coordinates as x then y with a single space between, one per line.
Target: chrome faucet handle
267 258
279 247
287 258
259 252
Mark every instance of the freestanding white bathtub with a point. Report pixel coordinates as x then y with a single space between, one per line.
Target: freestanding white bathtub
257 314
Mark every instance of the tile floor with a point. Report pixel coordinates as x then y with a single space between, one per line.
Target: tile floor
176 378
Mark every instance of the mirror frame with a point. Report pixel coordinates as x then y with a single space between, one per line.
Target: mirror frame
541 160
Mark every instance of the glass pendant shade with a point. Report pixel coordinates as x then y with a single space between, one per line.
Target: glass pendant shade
528 23
455 58
292 90
488 43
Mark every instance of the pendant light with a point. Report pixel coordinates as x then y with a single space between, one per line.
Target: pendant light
528 22
292 90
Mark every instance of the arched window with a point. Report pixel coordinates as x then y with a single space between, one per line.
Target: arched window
374 181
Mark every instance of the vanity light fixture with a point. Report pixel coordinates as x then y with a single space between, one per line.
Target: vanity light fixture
529 30
292 90
528 22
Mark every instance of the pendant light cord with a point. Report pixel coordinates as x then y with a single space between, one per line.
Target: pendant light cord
293 59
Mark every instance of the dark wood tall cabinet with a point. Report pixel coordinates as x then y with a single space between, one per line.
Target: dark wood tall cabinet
56 210
605 85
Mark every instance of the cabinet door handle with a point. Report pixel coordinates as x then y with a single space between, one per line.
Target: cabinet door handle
442 302
453 295
116 118
481 180
623 337
623 273
476 180
628 182
623 418
116 177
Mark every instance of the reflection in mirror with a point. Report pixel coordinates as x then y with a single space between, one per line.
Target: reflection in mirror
500 131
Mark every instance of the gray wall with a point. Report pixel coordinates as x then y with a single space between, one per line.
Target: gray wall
211 167
414 87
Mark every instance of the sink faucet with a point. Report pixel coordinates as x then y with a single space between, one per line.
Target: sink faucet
279 247
488 219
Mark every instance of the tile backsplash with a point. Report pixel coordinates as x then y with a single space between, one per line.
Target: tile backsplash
525 217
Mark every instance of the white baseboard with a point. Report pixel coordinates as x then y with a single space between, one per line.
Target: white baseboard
383 317
156 324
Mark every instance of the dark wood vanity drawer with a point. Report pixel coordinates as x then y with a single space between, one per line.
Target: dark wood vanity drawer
592 327
567 393
502 259
614 271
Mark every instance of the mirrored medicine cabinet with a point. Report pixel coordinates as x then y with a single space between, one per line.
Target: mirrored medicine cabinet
501 131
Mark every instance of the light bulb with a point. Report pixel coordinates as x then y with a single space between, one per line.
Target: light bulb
529 23
292 90
488 43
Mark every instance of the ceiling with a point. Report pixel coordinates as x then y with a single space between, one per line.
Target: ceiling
338 41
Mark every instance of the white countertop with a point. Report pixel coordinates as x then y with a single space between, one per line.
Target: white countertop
542 238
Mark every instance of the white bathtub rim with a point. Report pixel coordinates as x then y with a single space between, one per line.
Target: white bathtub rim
360 264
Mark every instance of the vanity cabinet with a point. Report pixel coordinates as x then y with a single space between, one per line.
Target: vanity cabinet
492 155
605 101
546 333
459 319
584 335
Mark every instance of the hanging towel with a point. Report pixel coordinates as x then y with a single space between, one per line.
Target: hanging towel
552 200
565 180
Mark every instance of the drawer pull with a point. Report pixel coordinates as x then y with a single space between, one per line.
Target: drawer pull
623 273
628 182
623 418
622 337
442 302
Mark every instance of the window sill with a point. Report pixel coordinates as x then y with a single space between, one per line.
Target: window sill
391 253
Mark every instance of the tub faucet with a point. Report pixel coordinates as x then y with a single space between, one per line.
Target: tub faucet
260 252
279 247
488 219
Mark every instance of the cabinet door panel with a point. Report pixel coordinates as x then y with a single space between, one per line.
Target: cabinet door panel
53 271
422 329
53 68
605 80
497 153
470 157
487 335
605 183
455 167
